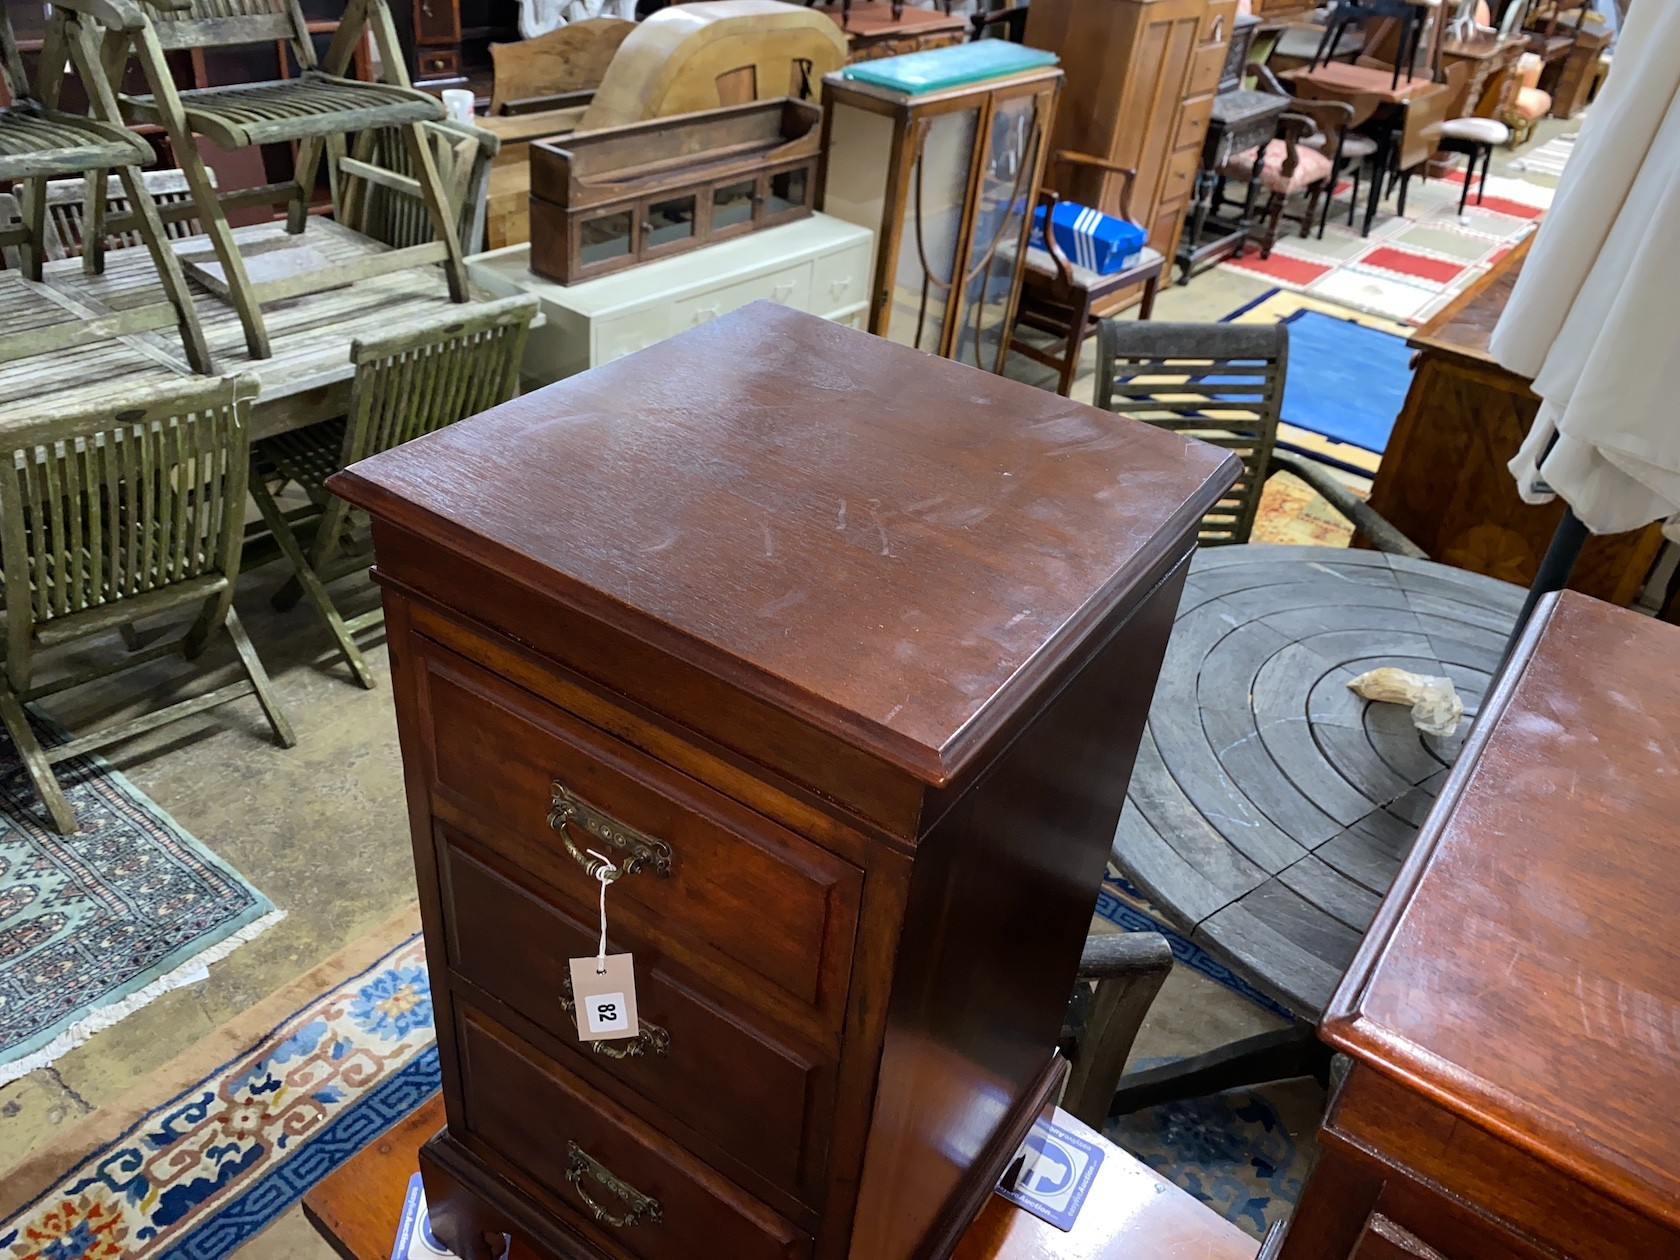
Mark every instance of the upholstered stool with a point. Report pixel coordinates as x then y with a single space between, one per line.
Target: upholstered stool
1477 138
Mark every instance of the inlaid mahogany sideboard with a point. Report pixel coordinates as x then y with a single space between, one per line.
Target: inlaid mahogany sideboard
1443 481
841 654
1513 1017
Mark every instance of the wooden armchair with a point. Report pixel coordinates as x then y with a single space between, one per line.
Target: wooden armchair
40 142
1289 165
314 110
1223 383
1064 299
409 383
115 515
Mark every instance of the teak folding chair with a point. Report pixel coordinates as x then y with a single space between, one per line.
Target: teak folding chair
114 515
317 109
38 142
396 215
409 383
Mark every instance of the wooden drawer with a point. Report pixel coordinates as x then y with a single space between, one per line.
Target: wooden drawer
625 334
1193 125
438 63
762 1102
750 905
565 1140
1217 23
1180 181
1164 228
789 287
1205 68
840 280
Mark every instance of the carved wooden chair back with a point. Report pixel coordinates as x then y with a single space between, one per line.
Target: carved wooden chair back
409 383
113 515
1222 383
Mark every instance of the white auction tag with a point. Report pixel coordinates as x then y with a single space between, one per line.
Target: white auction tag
605 991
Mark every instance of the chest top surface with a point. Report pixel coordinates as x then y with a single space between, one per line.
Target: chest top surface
1525 971
893 547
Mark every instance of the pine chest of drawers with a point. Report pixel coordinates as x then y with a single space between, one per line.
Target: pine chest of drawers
842 654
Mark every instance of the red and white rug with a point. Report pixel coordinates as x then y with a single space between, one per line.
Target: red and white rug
1409 267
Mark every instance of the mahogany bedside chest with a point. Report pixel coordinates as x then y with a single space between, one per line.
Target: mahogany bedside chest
840 655
1513 1019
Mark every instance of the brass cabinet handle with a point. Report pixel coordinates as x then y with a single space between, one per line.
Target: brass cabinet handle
642 1208
641 852
650 1040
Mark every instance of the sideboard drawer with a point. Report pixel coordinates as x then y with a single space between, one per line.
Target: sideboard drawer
1206 68
626 334
840 280
622 1182
788 287
764 1103
722 887
1193 123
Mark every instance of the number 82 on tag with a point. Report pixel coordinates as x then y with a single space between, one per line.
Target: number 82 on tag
605 993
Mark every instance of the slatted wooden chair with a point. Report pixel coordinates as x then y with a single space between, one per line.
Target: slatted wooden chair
1223 383
113 516
316 110
40 142
409 383
67 214
398 216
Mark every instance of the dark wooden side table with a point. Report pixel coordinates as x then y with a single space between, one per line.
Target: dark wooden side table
1511 1018
1242 119
1444 482
1131 1211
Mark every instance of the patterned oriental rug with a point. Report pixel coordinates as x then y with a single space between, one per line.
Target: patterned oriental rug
349 1050
1412 266
96 925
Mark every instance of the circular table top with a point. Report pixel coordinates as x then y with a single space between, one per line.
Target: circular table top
1270 806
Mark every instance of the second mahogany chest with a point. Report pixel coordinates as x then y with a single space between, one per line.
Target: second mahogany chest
841 654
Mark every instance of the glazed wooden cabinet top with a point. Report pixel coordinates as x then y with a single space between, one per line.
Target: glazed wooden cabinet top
890 548
1524 973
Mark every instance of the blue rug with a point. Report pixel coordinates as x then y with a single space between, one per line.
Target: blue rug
1347 381
96 925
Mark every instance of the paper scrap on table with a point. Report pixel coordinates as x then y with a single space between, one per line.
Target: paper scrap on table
1435 705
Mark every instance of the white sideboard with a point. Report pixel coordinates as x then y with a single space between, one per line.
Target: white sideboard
820 265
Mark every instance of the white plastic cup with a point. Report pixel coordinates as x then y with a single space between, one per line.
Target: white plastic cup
458 104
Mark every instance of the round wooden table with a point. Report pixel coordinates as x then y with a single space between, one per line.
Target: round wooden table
1270 806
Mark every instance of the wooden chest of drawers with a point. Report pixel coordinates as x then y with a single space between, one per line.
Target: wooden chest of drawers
1513 1017
842 654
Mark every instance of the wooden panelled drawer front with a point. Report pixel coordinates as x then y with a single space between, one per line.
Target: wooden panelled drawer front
547 1123
1205 69
790 287
1193 124
706 1069
840 280
743 895
1180 182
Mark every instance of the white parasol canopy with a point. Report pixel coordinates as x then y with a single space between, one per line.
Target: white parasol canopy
1595 316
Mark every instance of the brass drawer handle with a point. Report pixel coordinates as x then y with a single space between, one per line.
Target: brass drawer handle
642 853
651 1040
642 1208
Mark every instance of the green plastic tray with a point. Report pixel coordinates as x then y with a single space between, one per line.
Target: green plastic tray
918 72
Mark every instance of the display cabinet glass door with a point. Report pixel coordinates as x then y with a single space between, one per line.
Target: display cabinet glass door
972 176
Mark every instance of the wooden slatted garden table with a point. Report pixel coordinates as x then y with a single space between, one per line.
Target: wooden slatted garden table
308 377
1270 806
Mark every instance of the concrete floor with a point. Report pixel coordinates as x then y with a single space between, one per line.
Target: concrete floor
321 829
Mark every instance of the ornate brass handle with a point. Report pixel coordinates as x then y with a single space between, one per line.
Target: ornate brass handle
642 1208
641 852
650 1040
